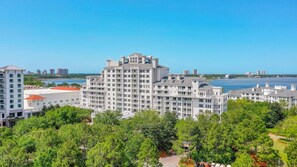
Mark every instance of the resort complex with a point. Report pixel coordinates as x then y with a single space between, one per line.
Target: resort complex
267 94
138 82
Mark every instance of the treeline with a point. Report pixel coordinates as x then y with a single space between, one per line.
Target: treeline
49 76
64 137
233 76
35 81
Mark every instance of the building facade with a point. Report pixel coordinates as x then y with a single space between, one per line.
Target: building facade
267 94
131 85
36 99
188 96
52 71
11 95
62 72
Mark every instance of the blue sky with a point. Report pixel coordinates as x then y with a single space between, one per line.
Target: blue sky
214 36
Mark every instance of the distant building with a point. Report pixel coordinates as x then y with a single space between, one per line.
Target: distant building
186 72
261 72
52 71
36 99
195 72
61 71
11 95
248 73
268 94
44 72
227 76
30 72
38 72
138 82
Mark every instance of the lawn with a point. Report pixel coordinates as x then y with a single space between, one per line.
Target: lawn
280 146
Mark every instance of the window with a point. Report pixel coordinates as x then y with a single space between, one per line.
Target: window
11 75
11 80
19 75
19 114
11 106
11 90
11 86
19 95
19 105
11 101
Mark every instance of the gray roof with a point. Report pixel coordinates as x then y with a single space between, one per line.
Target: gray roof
274 92
284 93
97 78
12 67
183 81
142 66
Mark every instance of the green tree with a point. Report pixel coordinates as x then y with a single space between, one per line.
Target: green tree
187 133
69 154
243 160
274 115
148 155
110 152
288 127
132 148
13 155
45 157
291 151
108 117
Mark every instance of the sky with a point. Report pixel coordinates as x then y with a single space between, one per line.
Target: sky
213 36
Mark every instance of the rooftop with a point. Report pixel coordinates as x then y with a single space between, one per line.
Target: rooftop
34 97
182 81
12 67
50 90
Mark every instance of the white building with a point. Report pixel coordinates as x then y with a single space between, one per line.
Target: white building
268 94
36 99
188 96
11 95
129 85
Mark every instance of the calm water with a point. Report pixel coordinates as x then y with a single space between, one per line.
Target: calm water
227 84
235 84
69 81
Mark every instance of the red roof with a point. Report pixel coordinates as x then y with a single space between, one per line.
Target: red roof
65 88
34 97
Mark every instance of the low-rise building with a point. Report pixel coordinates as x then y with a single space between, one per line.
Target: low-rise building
267 94
36 99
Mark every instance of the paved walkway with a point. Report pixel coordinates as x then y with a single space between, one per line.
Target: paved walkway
170 161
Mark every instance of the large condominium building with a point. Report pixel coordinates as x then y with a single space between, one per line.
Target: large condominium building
268 94
11 94
188 96
131 85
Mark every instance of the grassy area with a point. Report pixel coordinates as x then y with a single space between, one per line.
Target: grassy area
280 146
